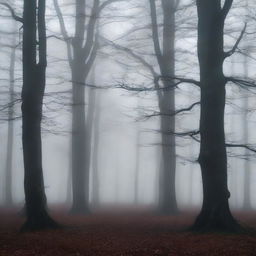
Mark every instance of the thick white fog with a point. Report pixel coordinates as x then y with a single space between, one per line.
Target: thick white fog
123 113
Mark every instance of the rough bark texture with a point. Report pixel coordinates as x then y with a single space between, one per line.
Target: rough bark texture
32 99
215 213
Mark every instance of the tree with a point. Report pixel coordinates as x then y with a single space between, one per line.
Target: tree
9 155
137 165
247 170
32 98
166 101
81 52
95 153
215 213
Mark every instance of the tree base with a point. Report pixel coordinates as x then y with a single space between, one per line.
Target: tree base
211 221
40 222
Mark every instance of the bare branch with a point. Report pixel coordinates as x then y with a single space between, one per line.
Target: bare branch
108 2
240 146
226 8
132 54
241 82
181 80
155 33
176 112
232 51
15 17
91 31
64 31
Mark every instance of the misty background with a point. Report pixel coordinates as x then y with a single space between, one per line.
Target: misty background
128 122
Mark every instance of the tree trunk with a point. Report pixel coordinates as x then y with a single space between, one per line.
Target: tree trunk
168 203
79 176
69 175
215 213
9 156
95 154
89 121
32 99
81 52
247 168
137 167
191 175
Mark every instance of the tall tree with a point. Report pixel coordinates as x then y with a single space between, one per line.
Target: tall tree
137 166
95 153
215 213
81 50
166 100
247 166
9 155
32 99
34 60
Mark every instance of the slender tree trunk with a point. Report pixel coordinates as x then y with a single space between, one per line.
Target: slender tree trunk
9 156
247 168
191 175
137 167
95 154
159 173
81 52
32 99
168 204
69 176
79 175
89 134
117 180
215 213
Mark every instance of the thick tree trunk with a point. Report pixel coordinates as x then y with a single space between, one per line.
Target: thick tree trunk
215 213
32 99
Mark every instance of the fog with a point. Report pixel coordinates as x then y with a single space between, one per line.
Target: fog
126 102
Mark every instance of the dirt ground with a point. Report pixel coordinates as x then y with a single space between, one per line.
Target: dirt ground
132 234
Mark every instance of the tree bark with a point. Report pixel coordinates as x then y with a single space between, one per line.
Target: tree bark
32 99
215 213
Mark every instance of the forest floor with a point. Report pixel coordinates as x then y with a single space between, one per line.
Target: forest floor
130 234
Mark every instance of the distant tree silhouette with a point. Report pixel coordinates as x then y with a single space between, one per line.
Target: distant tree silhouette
81 51
9 154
